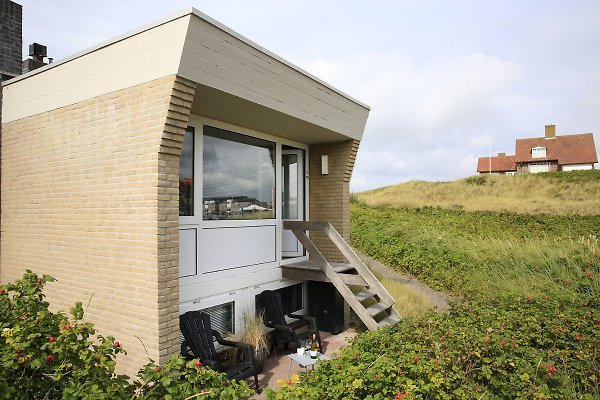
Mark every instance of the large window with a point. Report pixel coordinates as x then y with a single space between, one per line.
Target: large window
238 176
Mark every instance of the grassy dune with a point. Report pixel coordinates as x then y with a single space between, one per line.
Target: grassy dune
563 193
520 257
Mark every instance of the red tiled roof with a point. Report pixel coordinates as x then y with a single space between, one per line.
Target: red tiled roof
566 149
499 164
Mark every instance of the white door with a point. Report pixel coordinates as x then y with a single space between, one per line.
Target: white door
292 198
542 167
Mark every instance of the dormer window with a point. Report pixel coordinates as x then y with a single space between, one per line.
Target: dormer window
538 152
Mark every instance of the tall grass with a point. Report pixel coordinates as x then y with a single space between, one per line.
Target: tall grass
563 193
484 253
532 267
410 302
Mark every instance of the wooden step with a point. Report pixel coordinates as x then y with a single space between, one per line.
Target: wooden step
344 276
376 308
365 294
341 267
304 265
312 271
388 321
351 279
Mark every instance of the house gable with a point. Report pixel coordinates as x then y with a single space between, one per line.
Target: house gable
524 149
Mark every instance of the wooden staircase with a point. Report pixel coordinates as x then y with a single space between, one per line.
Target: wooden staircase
355 282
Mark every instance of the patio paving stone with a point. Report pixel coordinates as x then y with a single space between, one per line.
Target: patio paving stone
277 366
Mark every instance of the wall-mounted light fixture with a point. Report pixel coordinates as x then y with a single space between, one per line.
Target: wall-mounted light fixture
324 164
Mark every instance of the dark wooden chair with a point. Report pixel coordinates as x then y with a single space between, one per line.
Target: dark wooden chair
199 343
286 332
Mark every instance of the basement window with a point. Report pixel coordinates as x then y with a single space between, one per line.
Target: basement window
222 317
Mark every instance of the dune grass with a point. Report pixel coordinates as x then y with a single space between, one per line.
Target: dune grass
562 193
483 253
410 303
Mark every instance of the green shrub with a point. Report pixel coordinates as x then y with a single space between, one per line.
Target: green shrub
478 180
526 324
505 349
46 355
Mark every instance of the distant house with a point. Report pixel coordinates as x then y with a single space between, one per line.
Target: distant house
543 154
501 164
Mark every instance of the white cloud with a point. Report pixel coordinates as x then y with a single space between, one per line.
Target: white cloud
422 115
479 142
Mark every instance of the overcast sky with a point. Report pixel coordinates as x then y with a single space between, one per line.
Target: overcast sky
442 78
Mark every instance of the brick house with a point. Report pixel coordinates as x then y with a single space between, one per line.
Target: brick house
153 173
543 154
500 164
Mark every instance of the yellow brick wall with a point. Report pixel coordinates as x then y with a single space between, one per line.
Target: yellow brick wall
330 194
90 196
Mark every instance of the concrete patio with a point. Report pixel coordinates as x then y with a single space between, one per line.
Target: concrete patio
277 366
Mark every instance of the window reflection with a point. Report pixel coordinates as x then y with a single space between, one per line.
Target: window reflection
289 189
186 175
238 176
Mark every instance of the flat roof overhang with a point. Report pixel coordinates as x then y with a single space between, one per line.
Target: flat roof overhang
238 81
221 106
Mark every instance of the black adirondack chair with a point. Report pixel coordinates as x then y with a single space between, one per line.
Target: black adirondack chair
198 343
295 331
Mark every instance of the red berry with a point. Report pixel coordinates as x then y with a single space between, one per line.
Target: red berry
2 291
50 358
68 326
52 339
116 344
198 363
376 377
157 369
38 282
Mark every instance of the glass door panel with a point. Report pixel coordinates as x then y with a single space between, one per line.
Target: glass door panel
292 198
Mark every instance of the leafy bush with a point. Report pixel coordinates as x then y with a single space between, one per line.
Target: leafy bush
505 349
46 355
478 180
526 324
577 177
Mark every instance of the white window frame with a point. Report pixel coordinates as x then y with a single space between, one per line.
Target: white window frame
538 152
546 164
221 282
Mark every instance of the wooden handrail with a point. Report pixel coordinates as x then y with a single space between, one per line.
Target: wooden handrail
298 228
